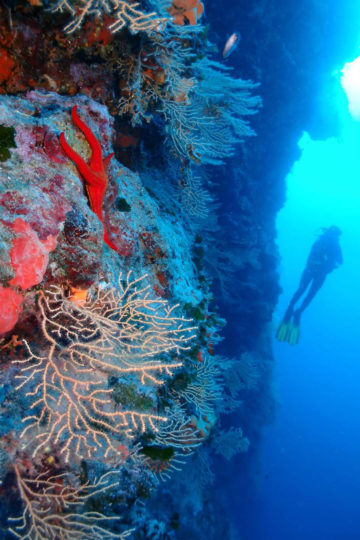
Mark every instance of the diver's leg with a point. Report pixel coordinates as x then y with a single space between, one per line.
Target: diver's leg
305 281
286 330
315 286
293 333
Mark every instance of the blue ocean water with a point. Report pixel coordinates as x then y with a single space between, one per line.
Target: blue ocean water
309 486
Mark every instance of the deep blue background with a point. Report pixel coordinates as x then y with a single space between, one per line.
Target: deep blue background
309 479
305 481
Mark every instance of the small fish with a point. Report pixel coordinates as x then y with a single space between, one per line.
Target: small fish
231 44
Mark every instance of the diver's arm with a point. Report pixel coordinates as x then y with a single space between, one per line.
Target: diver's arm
335 258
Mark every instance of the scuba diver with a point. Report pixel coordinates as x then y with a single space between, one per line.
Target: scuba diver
325 256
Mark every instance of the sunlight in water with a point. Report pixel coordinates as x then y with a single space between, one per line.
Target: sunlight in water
350 81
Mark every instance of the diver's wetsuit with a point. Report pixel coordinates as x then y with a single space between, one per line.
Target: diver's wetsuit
325 256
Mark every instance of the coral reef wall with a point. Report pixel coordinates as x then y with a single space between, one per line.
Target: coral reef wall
112 116
139 181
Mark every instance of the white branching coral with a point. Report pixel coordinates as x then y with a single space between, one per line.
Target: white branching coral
137 21
193 196
112 332
231 442
178 432
124 327
205 108
179 437
205 390
210 117
51 505
76 411
124 14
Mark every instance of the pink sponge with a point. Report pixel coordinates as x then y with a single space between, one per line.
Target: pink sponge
29 255
10 308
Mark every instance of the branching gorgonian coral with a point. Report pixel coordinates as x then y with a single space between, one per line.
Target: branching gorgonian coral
193 196
204 390
231 442
204 107
172 444
125 14
112 332
51 503
205 125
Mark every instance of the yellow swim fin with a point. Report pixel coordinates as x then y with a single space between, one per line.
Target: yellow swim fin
282 331
293 334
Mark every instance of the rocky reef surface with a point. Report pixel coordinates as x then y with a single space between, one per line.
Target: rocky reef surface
101 309
50 233
112 389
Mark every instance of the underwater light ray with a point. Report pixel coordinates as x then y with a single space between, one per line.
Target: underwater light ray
350 82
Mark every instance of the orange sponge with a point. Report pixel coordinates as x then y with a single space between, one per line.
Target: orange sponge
186 11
